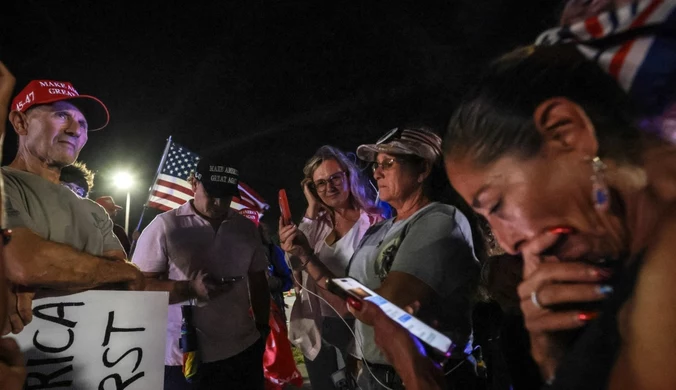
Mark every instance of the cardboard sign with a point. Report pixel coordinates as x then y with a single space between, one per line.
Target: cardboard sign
106 340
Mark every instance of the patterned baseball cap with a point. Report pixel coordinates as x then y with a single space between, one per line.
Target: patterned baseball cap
418 142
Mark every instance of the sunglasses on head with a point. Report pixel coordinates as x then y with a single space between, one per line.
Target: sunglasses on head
392 134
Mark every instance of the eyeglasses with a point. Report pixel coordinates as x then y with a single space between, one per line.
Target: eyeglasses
385 164
336 180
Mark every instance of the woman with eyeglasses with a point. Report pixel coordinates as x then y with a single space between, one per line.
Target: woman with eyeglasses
424 255
341 207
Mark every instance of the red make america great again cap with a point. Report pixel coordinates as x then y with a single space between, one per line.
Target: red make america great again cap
49 91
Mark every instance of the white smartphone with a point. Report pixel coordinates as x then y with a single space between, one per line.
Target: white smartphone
345 287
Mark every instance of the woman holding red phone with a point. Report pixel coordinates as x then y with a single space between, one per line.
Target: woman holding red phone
341 207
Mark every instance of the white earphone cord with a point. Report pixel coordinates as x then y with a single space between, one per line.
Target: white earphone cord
360 345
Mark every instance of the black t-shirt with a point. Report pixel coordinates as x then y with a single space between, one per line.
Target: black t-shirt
588 362
122 237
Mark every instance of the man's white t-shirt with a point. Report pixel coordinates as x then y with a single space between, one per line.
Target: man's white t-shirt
181 243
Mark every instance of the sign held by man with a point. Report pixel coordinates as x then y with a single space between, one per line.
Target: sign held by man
96 340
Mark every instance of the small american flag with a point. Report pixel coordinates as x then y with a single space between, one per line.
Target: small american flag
171 188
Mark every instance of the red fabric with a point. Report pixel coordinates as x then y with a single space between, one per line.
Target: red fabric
594 27
278 364
623 52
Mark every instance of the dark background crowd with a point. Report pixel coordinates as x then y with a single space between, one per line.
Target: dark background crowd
255 77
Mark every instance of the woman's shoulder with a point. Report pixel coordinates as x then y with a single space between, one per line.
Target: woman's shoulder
663 241
657 272
438 213
650 299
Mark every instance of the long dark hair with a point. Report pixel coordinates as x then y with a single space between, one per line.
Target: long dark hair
496 118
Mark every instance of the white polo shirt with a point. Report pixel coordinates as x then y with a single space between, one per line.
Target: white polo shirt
181 243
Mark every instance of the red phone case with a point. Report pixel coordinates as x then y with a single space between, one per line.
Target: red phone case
284 207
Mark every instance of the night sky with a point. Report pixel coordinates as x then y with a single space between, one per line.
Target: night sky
263 82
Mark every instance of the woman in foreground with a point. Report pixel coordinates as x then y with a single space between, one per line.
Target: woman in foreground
546 150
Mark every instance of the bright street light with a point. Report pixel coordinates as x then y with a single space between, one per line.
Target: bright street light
124 181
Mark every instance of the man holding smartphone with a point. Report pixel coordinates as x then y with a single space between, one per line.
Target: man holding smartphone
206 251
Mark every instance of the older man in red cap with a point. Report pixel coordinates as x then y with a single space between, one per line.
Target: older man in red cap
60 241
108 203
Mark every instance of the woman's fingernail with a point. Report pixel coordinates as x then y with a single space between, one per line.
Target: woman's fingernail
561 230
587 316
605 289
355 303
602 273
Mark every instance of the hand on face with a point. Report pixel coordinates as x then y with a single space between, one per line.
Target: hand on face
313 202
553 295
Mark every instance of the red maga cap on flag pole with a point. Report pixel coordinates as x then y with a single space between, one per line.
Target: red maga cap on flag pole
49 91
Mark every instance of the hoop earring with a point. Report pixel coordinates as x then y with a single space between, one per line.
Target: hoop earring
600 192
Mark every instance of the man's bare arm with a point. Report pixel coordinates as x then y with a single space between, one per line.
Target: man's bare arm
115 255
33 261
